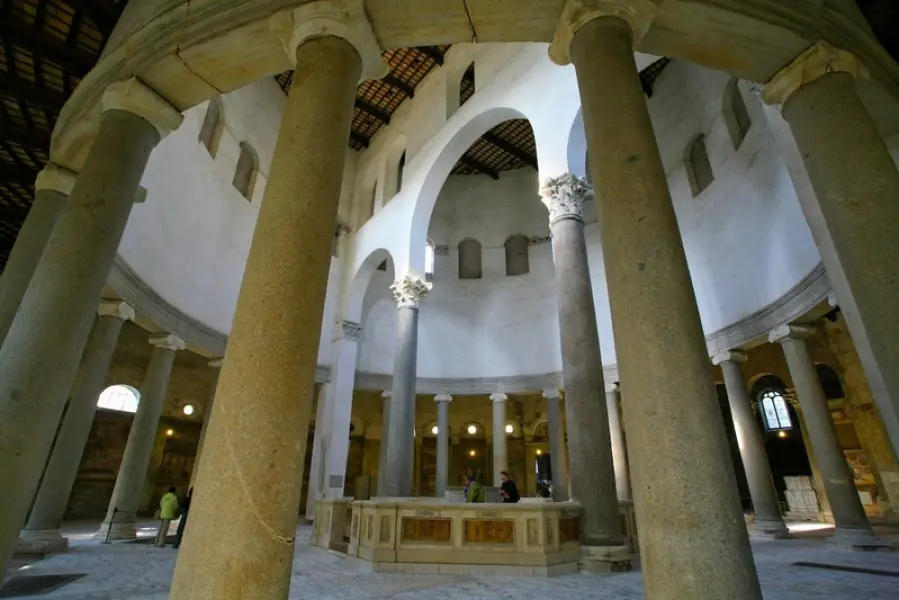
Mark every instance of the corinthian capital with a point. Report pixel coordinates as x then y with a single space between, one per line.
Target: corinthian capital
564 197
409 291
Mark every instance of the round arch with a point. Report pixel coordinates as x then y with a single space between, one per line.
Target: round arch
120 398
355 292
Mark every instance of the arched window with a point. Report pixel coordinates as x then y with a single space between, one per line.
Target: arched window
699 169
467 85
736 117
246 171
429 261
400 167
517 262
469 259
211 131
830 382
774 411
122 398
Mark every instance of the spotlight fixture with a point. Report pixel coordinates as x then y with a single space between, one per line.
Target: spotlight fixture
472 429
188 409
169 432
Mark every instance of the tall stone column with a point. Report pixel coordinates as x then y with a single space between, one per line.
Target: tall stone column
500 452
852 527
589 443
36 369
319 451
443 401
339 398
768 519
257 436
619 448
408 293
852 212
122 512
216 365
382 450
556 445
41 534
660 346
51 190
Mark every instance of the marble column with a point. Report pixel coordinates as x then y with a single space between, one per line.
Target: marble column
37 370
768 519
500 452
216 365
443 401
51 190
382 450
589 443
660 346
408 293
339 398
123 506
41 534
556 445
319 451
852 210
852 527
257 436
619 448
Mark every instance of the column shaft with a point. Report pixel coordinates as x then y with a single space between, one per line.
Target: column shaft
132 474
344 352
402 405
257 435
382 450
319 443
442 444
768 519
36 369
42 529
619 449
26 253
215 364
557 447
661 350
500 452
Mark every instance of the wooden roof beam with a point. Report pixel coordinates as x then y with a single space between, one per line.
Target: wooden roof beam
473 163
432 52
103 14
24 176
359 139
22 89
46 46
511 148
372 110
393 81
24 136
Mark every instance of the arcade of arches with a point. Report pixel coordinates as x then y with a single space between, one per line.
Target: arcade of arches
638 257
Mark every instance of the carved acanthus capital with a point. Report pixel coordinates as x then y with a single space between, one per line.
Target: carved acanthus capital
443 398
789 332
498 397
345 19
350 330
576 13
564 197
613 388
116 308
409 291
728 356
168 342
817 61
134 96
552 393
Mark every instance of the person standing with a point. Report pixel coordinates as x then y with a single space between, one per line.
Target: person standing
508 490
168 506
185 507
473 490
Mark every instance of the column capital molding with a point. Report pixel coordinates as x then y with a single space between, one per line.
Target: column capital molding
350 330
564 197
409 291
386 395
168 341
817 61
552 393
789 332
344 19
116 308
134 96
638 14
729 356
498 397
612 387
216 363
56 179
445 398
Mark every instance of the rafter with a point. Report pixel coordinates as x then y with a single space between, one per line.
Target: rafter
359 139
473 163
372 110
24 176
13 214
399 84
511 149
433 52
103 14
24 136
46 46
22 89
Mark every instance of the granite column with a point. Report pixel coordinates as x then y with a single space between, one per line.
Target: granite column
768 519
216 365
123 506
500 451
619 449
660 346
382 450
257 435
556 445
36 369
443 401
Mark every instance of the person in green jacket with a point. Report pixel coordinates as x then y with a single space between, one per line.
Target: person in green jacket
473 490
168 508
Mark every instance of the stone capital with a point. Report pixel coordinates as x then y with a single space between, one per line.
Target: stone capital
133 96
564 197
789 332
819 60
350 331
552 393
409 291
638 14
612 388
116 308
168 341
345 19
498 397
443 398
832 300
216 363
728 356
387 395
56 179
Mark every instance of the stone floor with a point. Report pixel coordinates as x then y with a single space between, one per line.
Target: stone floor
138 571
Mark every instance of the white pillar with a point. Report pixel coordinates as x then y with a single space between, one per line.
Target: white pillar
556 446
443 401
500 453
619 448
382 451
344 352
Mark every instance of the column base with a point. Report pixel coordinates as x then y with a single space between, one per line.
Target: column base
119 531
604 559
774 529
859 540
41 542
